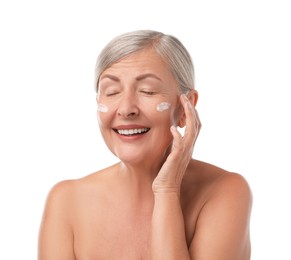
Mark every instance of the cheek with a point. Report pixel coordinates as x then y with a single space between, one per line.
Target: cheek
170 111
166 112
102 108
163 106
158 110
165 117
103 119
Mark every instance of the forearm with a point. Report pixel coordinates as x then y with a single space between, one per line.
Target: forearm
168 230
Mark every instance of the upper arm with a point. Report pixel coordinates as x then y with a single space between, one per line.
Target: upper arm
55 235
222 230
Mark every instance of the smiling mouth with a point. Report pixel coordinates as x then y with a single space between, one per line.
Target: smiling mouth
131 132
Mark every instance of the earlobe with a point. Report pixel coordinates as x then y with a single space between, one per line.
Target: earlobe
182 121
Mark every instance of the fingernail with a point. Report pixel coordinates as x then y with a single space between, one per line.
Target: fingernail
173 128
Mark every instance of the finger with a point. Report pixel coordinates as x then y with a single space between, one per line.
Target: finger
191 121
178 144
198 124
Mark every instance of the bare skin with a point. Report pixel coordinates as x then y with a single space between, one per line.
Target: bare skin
108 216
158 202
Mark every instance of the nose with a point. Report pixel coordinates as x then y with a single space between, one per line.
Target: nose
128 107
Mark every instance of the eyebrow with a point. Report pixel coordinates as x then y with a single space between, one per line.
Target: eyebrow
138 78
108 76
147 75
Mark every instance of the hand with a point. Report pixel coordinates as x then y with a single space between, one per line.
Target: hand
171 174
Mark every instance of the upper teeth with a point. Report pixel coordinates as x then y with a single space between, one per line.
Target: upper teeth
131 131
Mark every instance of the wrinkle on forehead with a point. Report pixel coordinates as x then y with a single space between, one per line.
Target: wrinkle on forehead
138 65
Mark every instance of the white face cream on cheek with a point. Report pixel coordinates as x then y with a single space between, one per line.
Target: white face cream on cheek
102 108
163 106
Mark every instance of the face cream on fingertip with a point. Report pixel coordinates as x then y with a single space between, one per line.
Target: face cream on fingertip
102 108
163 106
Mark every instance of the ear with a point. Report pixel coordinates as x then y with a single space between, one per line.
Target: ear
193 98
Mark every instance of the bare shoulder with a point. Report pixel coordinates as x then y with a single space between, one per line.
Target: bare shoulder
224 212
58 198
63 192
64 200
61 189
214 180
66 195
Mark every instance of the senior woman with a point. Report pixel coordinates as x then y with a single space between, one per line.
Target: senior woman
157 202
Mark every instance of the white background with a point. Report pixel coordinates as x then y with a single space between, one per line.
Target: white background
48 128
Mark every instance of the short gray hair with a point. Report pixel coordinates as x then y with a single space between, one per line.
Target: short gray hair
171 50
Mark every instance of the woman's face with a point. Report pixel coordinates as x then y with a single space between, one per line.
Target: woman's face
128 94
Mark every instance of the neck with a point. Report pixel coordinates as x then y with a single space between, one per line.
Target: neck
139 177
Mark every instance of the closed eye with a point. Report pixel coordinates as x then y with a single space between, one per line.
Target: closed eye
111 94
150 93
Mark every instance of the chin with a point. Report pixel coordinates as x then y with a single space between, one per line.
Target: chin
150 159
130 158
